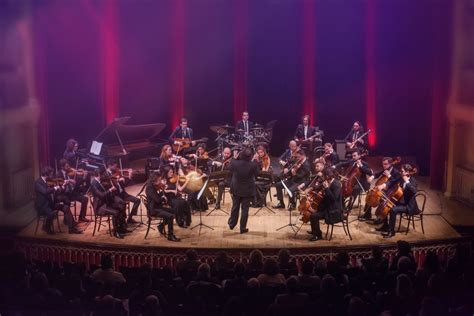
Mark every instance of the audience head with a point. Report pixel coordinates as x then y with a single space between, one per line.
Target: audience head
356 307
307 267
404 264
292 285
328 285
284 256
270 267
191 255
253 283
239 270
204 271
256 258
106 262
404 287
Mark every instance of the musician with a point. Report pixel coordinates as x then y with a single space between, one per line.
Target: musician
105 204
72 191
289 153
330 207
393 176
244 125
352 139
114 171
167 157
202 165
298 174
311 183
46 203
197 205
173 190
182 131
407 204
330 156
157 202
70 154
221 165
242 187
362 182
262 187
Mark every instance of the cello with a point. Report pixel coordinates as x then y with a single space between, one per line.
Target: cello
349 179
310 201
374 194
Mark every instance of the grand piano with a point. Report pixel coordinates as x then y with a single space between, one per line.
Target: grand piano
127 142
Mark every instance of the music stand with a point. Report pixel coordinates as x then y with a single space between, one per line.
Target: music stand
201 224
290 224
218 176
266 179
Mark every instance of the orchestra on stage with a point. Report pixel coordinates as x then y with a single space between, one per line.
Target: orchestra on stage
184 177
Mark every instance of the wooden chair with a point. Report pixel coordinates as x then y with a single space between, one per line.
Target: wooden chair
420 197
98 219
151 218
344 224
42 218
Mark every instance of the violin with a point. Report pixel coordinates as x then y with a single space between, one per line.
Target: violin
55 182
73 173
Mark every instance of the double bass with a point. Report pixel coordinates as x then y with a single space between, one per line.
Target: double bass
374 194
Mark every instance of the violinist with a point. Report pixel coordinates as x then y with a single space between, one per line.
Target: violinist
298 174
330 207
407 204
46 203
263 160
120 181
393 176
197 205
105 204
173 190
330 156
158 205
222 164
73 188
289 153
70 154
167 157
361 184
353 140
244 126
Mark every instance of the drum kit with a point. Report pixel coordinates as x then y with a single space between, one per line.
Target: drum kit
227 136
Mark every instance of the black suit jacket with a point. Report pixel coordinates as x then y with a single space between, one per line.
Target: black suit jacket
303 173
332 202
243 177
154 198
350 138
395 177
299 134
409 192
240 125
365 170
100 194
179 133
43 195
332 159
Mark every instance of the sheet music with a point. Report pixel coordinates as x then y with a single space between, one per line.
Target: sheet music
96 148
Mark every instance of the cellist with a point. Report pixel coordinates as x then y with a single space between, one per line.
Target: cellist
392 175
407 204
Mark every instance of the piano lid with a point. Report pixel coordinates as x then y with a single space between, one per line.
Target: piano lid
128 133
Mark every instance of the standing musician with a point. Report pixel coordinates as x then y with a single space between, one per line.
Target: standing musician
245 125
70 154
46 202
157 202
242 187
105 204
262 158
330 207
173 190
362 183
329 156
73 190
222 164
120 183
289 153
408 202
352 139
393 176
306 134
297 174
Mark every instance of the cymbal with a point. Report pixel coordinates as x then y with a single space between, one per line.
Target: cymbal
221 129
257 125
257 128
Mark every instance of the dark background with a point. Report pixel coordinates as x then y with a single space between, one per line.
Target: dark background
412 51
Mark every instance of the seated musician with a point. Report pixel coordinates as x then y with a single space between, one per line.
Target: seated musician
105 204
182 132
158 205
173 190
298 173
167 158
263 160
407 204
73 191
46 202
352 139
244 125
201 163
70 154
330 207
289 153
362 183
330 156
393 176
222 164
318 175
113 170
197 205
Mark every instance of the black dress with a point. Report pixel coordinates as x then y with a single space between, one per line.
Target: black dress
183 211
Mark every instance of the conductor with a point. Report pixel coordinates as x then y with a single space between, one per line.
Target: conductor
242 187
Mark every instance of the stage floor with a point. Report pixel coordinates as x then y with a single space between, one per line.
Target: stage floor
263 231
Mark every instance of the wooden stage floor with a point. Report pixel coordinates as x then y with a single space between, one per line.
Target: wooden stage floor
263 232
